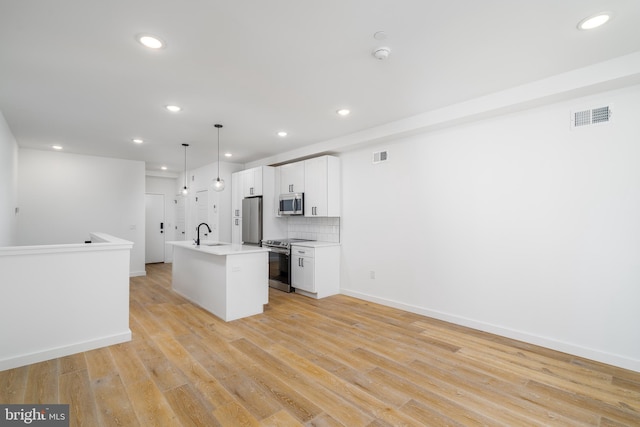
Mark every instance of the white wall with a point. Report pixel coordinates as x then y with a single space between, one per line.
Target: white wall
515 225
200 179
8 184
63 197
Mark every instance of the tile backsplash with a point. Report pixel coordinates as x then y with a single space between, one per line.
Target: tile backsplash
321 229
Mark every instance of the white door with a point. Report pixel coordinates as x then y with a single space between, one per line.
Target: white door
154 228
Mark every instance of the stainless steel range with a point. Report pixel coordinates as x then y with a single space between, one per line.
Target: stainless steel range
280 262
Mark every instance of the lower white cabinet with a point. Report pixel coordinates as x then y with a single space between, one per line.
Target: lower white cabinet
302 269
315 271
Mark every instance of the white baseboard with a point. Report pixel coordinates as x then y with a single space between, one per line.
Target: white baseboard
577 350
53 353
137 273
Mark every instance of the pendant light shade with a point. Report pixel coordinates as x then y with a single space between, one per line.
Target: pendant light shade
218 184
185 191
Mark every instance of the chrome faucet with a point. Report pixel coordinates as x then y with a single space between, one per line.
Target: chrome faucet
198 239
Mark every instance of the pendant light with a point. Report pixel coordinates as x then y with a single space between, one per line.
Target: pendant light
185 191
218 184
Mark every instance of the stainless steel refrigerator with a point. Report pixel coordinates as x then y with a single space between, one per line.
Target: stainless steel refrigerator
252 220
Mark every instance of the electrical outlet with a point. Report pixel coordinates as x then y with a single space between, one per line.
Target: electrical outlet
372 274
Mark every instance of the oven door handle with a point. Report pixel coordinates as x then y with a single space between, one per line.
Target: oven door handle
278 250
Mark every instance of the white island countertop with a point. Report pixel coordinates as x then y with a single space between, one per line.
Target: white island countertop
218 248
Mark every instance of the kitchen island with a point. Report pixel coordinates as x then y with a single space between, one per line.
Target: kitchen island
231 281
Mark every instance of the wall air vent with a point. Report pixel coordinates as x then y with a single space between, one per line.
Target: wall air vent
380 156
593 116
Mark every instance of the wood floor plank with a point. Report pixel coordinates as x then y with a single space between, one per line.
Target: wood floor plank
164 373
284 419
170 324
75 390
338 361
100 363
300 407
150 405
75 362
112 402
198 376
348 392
130 367
234 414
189 408
13 383
42 383
431 415
221 360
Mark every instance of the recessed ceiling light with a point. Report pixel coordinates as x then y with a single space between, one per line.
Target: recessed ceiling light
380 35
57 147
282 134
343 112
137 140
228 154
594 21
164 168
150 41
173 108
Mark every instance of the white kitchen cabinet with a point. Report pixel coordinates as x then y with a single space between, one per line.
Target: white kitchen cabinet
292 178
302 269
315 270
252 182
246 183
236 230
322 187
236 195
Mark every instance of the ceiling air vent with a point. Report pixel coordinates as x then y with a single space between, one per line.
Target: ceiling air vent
593 116
379 157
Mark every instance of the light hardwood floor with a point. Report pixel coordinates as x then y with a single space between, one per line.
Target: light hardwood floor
333 362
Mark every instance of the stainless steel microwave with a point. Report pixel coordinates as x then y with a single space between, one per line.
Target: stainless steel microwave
291 204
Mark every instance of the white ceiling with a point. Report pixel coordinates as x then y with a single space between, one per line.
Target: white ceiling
72 73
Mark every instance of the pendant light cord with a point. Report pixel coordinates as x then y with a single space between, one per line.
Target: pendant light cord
185 165
218 126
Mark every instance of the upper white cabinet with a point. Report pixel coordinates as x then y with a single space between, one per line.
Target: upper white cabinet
292 178
322 186
246 183
251 182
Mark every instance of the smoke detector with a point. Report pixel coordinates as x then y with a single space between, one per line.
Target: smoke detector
381 53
